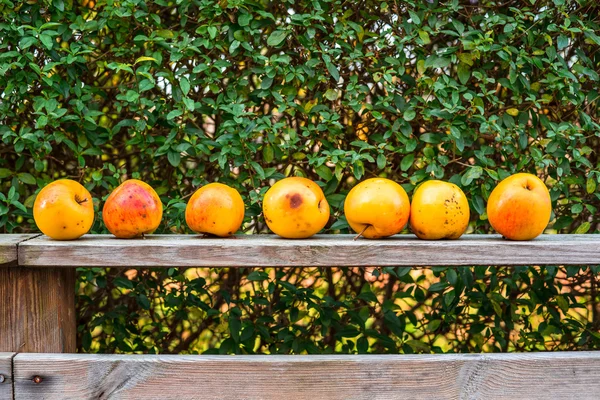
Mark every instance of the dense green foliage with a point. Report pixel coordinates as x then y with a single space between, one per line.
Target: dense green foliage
181 93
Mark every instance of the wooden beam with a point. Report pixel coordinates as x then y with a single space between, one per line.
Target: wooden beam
450 376
8 247
37 310
321 250
6 387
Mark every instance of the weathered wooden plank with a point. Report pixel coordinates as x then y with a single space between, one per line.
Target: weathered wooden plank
8 246
6 389
321 250
568 375
37 310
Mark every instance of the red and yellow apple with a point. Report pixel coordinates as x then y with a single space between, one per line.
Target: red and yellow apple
133 209
215 209
519 208
64 210
295 208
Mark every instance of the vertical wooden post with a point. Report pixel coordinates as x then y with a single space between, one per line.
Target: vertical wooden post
37 310
37 305
6 375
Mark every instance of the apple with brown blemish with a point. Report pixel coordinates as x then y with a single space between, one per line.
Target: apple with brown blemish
132 210
295 208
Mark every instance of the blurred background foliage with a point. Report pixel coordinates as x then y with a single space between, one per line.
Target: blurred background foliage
186 92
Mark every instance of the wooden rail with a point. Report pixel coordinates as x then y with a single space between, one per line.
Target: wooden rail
568 375
37 315
320 250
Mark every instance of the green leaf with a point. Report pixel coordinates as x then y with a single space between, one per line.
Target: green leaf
358 169
268 153
266 83
433 325
409 115
212 31
146 84
464 73
234 45
46 40
471 174
132 96
562 42
121 282
276 37
173 114
26 178
324 172
331 94
184 84
5 173
407 162
174 158
563 303
27 42
258 276
143 301
333 71
563 222
244 19
381 161
189 104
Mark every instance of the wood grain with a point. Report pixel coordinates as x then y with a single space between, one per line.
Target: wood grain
6 375
567 375
37 310
320 250
8 246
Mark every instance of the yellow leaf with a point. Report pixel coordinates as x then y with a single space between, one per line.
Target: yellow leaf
142 59
421 67
513 112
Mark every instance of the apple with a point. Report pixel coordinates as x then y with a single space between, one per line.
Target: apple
376 208
64 210
215 209
295 208
132 210
519 208
439 210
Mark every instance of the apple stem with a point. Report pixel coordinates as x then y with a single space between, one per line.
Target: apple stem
143 236
80 201
361 232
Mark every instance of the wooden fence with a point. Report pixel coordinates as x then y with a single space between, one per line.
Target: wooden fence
37 321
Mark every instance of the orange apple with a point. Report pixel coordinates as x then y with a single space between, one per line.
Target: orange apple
519 208
132 210
64 210
295 208
439 210
216 209
377 208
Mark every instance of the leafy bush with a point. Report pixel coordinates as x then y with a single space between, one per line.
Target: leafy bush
247 92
